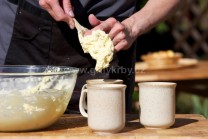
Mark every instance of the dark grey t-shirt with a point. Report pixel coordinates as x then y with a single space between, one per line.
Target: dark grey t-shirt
101 8
107 8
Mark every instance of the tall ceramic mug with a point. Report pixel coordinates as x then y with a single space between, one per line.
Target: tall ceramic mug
105 107
157 104
100 81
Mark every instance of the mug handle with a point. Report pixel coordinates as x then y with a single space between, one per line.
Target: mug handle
85 103
84 86
82 103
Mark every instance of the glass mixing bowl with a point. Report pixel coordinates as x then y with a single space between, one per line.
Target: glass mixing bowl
34 97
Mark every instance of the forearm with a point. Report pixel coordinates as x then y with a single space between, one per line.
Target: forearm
151 14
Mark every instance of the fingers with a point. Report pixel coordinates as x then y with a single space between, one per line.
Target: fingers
93 20
54 8
106 25
58 12
68 9
116 30
45 5
118 35
122 45
100 25
118 38
71 23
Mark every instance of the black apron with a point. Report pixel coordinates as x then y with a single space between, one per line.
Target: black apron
38 40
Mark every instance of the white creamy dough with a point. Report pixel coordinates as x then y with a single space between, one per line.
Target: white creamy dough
100 46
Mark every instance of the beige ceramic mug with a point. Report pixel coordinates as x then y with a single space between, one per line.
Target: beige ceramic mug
157 104
105 107
100 81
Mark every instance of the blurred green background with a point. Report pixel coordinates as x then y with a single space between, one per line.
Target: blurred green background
190 23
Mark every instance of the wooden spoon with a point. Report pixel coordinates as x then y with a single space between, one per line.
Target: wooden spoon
80 29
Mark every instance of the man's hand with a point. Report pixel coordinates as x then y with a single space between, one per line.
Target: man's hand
60 10
119 32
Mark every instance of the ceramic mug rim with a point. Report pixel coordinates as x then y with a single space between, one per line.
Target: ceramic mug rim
158 84
106 86
102 81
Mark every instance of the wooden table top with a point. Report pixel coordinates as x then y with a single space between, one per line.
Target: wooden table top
200 71
75 126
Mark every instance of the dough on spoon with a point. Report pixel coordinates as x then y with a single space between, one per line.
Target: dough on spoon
98 44
100 47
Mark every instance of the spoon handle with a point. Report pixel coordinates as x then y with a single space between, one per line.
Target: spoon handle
79 27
